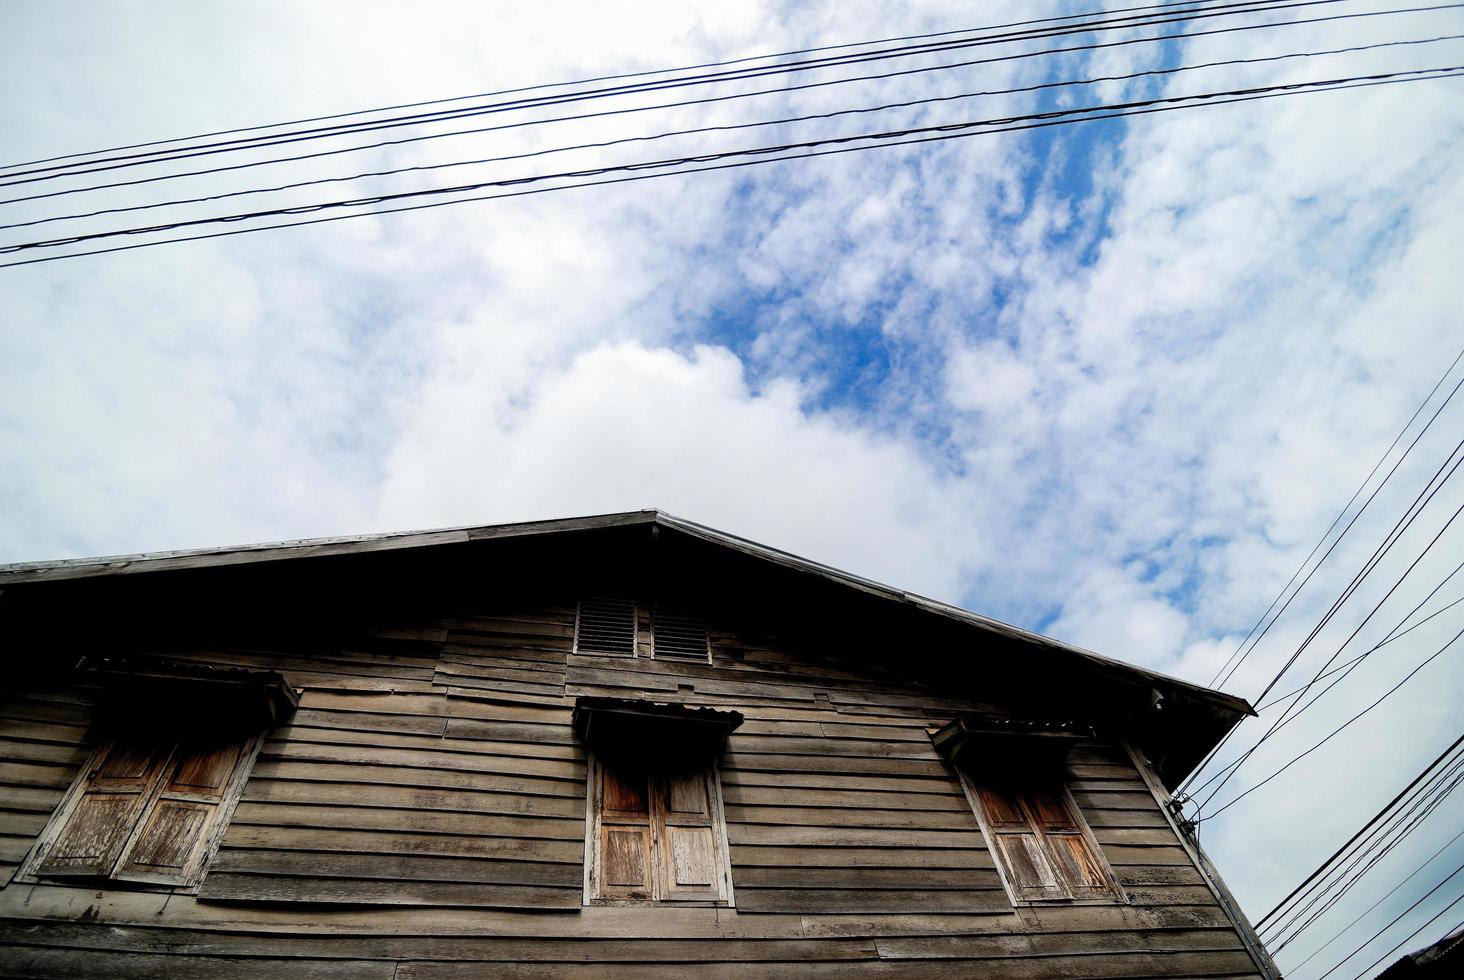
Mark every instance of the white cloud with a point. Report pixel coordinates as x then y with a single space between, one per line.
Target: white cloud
908 363
1113 610
625 427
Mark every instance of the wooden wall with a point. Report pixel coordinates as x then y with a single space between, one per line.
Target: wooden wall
422 816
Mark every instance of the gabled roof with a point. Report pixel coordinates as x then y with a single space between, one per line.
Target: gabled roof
1220 710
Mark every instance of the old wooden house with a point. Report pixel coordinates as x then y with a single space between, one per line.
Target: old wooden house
622 746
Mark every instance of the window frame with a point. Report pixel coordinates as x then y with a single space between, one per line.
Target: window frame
1057 782
188 883
593 859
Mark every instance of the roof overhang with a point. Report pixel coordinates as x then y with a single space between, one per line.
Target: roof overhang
1181 721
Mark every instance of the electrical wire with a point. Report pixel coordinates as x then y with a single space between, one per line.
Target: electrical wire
1373 649
1101 25
1377 818
1409 938
1389 894
1347 669
1216 680
1404 824
1392 635
1215 751
781 90
1350 883
1395 921
1415 812
732 127
1214 101
1390 539
1286 717
1424 803
1340 728
584 81
944 130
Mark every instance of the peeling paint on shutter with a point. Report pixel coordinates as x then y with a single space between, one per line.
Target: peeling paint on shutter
1075 855
689 865
116 789
1019 846
1043 847
169 846
623 836
146 809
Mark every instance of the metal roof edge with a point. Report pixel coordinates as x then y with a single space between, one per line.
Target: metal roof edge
17 573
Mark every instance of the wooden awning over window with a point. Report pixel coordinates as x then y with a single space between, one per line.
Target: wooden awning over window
653 733
141 688
1001 745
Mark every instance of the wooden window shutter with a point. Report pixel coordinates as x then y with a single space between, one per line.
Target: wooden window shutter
686 832
1042 846
1020 847
113 791
146 809
656 837
623 835
1074 853
172 838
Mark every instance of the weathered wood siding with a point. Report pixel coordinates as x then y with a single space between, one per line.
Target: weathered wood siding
422 816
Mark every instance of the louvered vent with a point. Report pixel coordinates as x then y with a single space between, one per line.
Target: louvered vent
606 626
676 634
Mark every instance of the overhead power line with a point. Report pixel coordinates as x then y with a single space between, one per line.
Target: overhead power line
1376 647
1346 669
833 114
1380 816
1364 852
777 90
1217 680
1394 535
1323 897
1440 914
1387 895
1378 553
759 155
588 81
1336 731
1224 775
1396 633
816 64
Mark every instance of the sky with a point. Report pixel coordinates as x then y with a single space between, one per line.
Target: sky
1108 381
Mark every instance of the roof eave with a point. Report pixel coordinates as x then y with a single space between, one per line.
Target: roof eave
27 573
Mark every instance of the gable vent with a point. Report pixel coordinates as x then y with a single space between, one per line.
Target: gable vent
605 625
676 634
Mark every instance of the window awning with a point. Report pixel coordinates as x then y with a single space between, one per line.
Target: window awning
651 733
1004 745
137 686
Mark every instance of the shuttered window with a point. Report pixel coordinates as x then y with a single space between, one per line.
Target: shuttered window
147 809
613 626
678 634
1040 841
606 626
656 837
